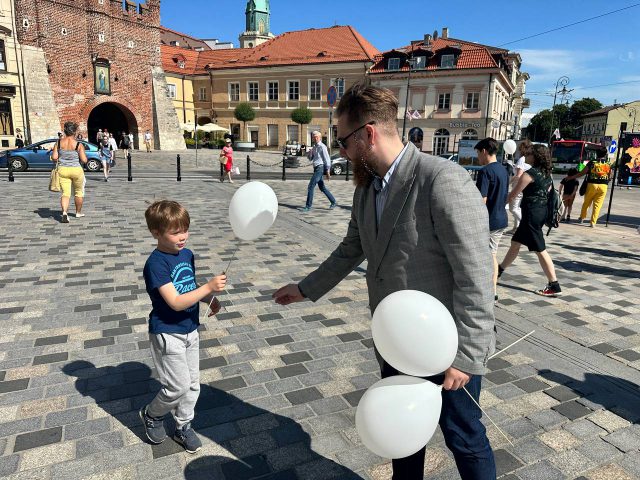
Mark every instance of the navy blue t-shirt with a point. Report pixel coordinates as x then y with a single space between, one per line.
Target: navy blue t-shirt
493 183
180 269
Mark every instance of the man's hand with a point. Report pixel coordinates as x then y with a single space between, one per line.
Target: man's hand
327 175
214 307
288 294
454 379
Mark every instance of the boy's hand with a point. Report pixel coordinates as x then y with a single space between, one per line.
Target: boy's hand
214 307
218 283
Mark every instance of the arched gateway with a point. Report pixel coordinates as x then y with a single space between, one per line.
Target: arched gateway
116 118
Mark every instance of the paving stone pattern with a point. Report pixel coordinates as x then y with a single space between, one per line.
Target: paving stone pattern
280 384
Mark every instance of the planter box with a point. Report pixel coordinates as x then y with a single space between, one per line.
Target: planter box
244 147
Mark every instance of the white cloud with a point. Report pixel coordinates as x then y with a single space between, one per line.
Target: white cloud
544 65
628 56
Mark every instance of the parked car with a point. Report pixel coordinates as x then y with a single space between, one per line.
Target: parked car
36 156
338 164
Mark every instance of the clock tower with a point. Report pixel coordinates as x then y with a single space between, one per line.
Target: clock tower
257 28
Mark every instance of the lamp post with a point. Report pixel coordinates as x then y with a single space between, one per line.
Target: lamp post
634 111
562 81
406 100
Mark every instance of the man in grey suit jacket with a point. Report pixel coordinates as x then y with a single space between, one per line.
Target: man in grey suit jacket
421 224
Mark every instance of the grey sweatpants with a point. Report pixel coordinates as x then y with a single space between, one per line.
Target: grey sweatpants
177 360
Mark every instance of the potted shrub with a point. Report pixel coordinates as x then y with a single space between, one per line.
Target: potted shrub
244 113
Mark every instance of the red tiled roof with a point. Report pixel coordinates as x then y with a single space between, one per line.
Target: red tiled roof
172 57
313 46
472 55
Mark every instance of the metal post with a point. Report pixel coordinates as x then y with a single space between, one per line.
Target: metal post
346 177
329 141
406 100
621 139
129 177
179 179
284 173
221 170
248 168
10 168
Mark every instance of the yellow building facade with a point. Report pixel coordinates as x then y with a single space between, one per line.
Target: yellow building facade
11 91
603 125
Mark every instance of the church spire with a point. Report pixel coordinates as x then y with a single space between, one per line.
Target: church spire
257 24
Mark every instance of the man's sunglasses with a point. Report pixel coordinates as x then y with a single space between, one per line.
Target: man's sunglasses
342 142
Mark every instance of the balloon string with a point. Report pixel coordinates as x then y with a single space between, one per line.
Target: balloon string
485 413
509 346
226 270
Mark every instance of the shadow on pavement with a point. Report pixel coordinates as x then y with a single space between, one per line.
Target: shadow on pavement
577 266
48 213
614 394
600 251
267 445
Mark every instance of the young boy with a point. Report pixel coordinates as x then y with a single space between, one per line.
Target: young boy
567 190
169 275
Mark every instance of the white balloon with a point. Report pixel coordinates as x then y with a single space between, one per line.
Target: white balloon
415 333
509 147
398 415
252 210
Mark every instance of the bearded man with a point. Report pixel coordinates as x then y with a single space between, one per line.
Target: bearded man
422 225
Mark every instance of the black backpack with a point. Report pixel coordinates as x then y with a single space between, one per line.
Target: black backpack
554 207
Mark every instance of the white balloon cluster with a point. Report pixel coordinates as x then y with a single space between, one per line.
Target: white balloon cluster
417 336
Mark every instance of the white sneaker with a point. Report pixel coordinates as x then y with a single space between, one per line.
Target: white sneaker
79 215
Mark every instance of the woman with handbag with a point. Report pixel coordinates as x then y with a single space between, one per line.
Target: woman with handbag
226 159
68 154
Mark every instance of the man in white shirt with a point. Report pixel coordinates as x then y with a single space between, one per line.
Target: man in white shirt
147 141
319 155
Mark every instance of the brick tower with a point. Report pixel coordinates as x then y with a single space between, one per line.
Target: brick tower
96 62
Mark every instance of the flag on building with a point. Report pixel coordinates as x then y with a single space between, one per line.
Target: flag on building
408 113
416 115
556 133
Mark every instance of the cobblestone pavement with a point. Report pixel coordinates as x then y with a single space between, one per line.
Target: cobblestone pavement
280 384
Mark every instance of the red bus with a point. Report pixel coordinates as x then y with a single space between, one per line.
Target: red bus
568 154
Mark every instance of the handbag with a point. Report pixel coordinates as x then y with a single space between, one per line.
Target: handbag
223 159
236 170
583 187
54 180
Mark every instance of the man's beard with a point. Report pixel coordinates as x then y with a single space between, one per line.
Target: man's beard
363 167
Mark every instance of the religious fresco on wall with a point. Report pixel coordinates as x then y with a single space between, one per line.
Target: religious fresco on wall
102 78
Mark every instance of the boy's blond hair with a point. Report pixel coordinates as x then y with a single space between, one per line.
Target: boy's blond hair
164 215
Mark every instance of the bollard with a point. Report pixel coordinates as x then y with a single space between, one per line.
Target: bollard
284 173
248 168
10 168
221 171
346 177
129 177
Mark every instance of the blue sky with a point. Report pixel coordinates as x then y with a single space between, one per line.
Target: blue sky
599 52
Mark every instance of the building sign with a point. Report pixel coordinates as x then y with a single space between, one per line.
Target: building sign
464 125
630 160
467 155
7 90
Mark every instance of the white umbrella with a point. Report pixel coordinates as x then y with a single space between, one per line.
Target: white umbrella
188 126
211 127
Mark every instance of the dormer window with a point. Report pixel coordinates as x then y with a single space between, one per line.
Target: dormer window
393 64
420 62
447 61
174 43
180 64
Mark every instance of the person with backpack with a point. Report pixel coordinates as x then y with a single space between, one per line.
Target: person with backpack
125 144
536 186
598 174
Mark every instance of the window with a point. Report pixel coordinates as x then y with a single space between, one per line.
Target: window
202 94
131 44
180 63
473 100
315 87
234 92
63 31
444 101
420 63
171 90
292 133
393 64
294 90
272 88
252 91
101 37
447 61
3 60
6 122
339 84
441 141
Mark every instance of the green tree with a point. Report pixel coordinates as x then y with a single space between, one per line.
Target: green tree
302 116
578 109
546 121
244 113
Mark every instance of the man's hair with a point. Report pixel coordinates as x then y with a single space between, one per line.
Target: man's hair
488 144
363 103
315 132
165 215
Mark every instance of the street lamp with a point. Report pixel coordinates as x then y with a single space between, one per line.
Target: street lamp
634 111
406 101
562 81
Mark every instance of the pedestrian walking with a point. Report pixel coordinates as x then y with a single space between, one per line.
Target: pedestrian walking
521 166
131 146
535 185
416 218
125 144
19 141
227 151
113 148
598 174
567 190
319 156
99 137
69 155
493 183
147 141
169 275
105 156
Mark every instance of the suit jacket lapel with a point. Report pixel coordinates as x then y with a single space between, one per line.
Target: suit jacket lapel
400 188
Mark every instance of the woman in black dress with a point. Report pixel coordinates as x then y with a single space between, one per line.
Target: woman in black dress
534 184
